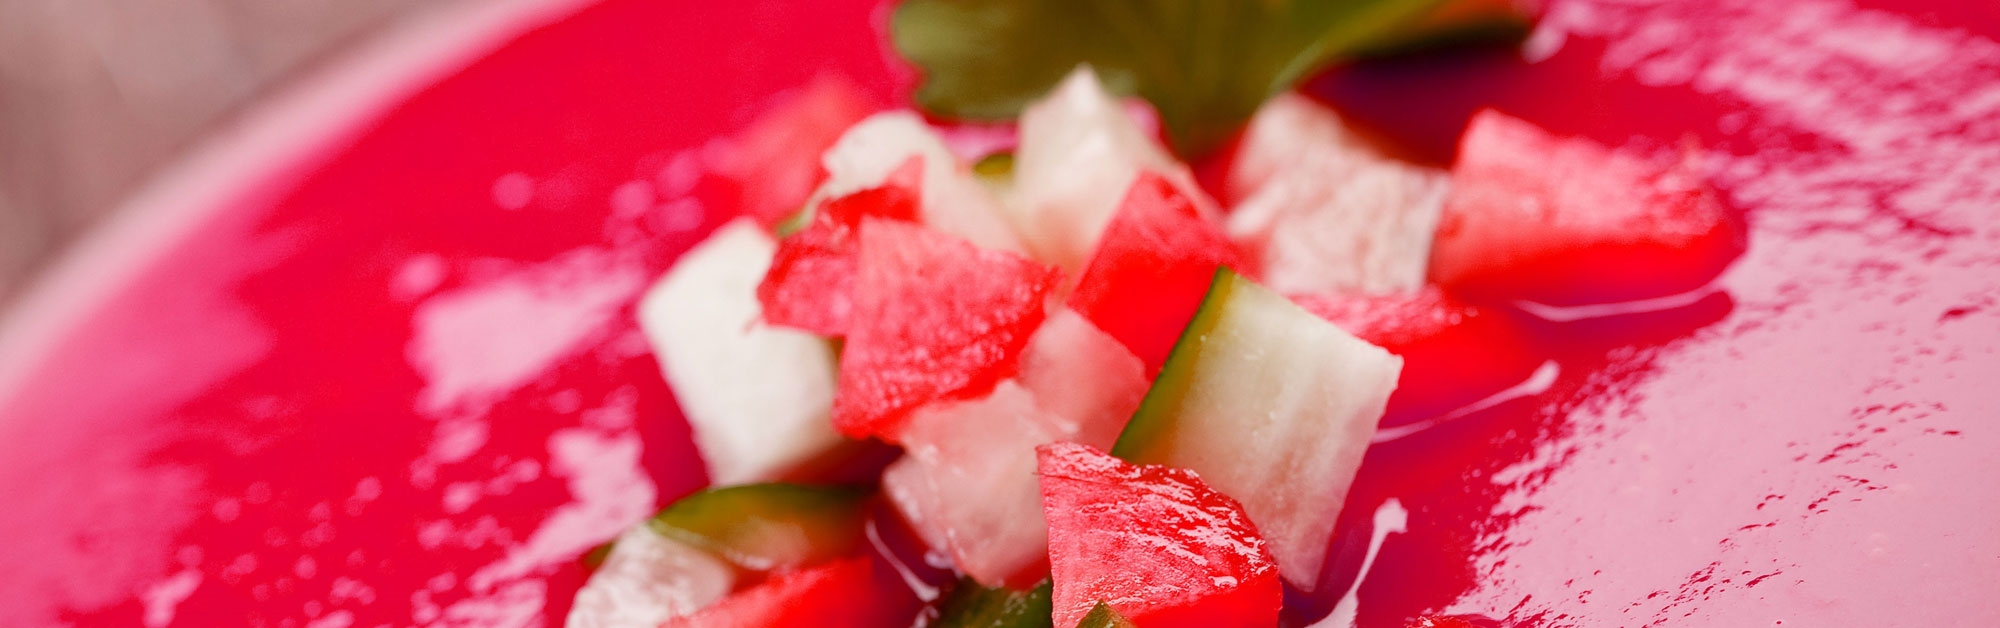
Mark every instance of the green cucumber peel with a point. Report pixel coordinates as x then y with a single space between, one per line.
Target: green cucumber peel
762 527
1103 616
972 605
1150 423
794 223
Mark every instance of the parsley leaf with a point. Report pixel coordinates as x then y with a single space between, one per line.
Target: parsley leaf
1204 64
1456 23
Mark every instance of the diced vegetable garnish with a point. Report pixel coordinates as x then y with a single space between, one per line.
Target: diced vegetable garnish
1084 378
935 318
967 483
1156 543
1078 154
1103 616
811 282
1151 269
1565 221
1370 232
954 201
776 161
1271 405
973 606
757 397
1237 415
768 527
647 579
850 593
1321 211
1453 353
1288 131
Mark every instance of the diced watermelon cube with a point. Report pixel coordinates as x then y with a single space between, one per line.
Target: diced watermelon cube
811 282
935 318
1151 269
776 161
967 483
1154 542
1453 353
852 593
1565 221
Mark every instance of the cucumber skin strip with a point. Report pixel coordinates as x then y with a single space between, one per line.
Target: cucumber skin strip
1138 442
997 607
709 519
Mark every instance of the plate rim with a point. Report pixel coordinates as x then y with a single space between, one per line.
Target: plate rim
271 142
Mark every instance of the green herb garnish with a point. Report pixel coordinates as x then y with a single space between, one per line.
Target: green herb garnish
1456 23
1206 65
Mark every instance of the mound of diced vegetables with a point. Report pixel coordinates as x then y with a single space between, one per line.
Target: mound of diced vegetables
1121 397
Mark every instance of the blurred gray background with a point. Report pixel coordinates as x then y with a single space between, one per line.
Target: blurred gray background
96 94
